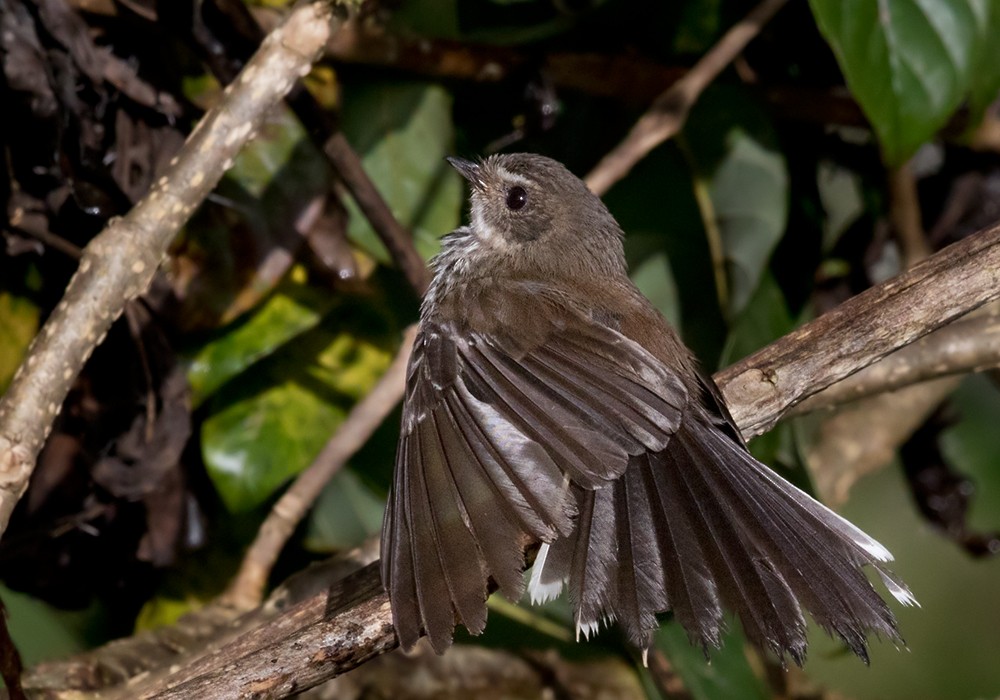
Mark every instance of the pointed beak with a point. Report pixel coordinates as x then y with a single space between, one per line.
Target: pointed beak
469 170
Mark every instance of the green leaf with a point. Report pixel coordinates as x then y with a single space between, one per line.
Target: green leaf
18 325
840 191
346 514
43 632
292 310
765 318
672 228
972 448
909 63
698 26
428 18
728 675
732 150
985 85
270 425
403 132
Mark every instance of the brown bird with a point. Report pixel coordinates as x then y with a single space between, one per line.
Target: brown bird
549 402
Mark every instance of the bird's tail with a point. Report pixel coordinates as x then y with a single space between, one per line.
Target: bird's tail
703 526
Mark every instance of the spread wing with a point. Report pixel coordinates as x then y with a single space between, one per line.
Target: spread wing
492 437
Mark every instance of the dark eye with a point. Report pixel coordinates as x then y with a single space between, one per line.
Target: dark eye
516 197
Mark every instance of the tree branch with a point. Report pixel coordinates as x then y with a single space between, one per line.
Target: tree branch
119 263
328 137
851 444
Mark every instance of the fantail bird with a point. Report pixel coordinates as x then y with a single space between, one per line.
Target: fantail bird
549 402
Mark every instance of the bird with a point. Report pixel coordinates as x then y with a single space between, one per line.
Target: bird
549 407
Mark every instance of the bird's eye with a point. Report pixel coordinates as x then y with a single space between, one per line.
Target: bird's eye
517 197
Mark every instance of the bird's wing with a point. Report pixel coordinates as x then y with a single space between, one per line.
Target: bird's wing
493 435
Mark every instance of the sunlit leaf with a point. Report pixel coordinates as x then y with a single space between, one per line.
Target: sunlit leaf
909 63
290 311
733 152
271 424
18 325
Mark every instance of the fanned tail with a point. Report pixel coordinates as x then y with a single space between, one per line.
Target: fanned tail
702 526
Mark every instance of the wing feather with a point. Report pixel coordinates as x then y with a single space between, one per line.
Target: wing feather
498 446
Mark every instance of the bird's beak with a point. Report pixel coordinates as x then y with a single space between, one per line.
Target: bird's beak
469 170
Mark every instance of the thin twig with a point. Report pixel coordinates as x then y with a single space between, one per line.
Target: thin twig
904 215
120 262
247 588
667 114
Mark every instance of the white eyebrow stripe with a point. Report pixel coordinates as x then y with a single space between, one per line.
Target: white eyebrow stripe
508 176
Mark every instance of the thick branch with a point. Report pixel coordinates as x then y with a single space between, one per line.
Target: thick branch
761 388
326 635
119 263
669 111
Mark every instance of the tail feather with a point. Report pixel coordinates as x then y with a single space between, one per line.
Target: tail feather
434 599
747 581
702 525
641 588
692 589
593 563
821 560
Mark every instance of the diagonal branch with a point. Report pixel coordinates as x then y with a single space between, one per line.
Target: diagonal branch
119 263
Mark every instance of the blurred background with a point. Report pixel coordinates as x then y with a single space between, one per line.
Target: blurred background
848 141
